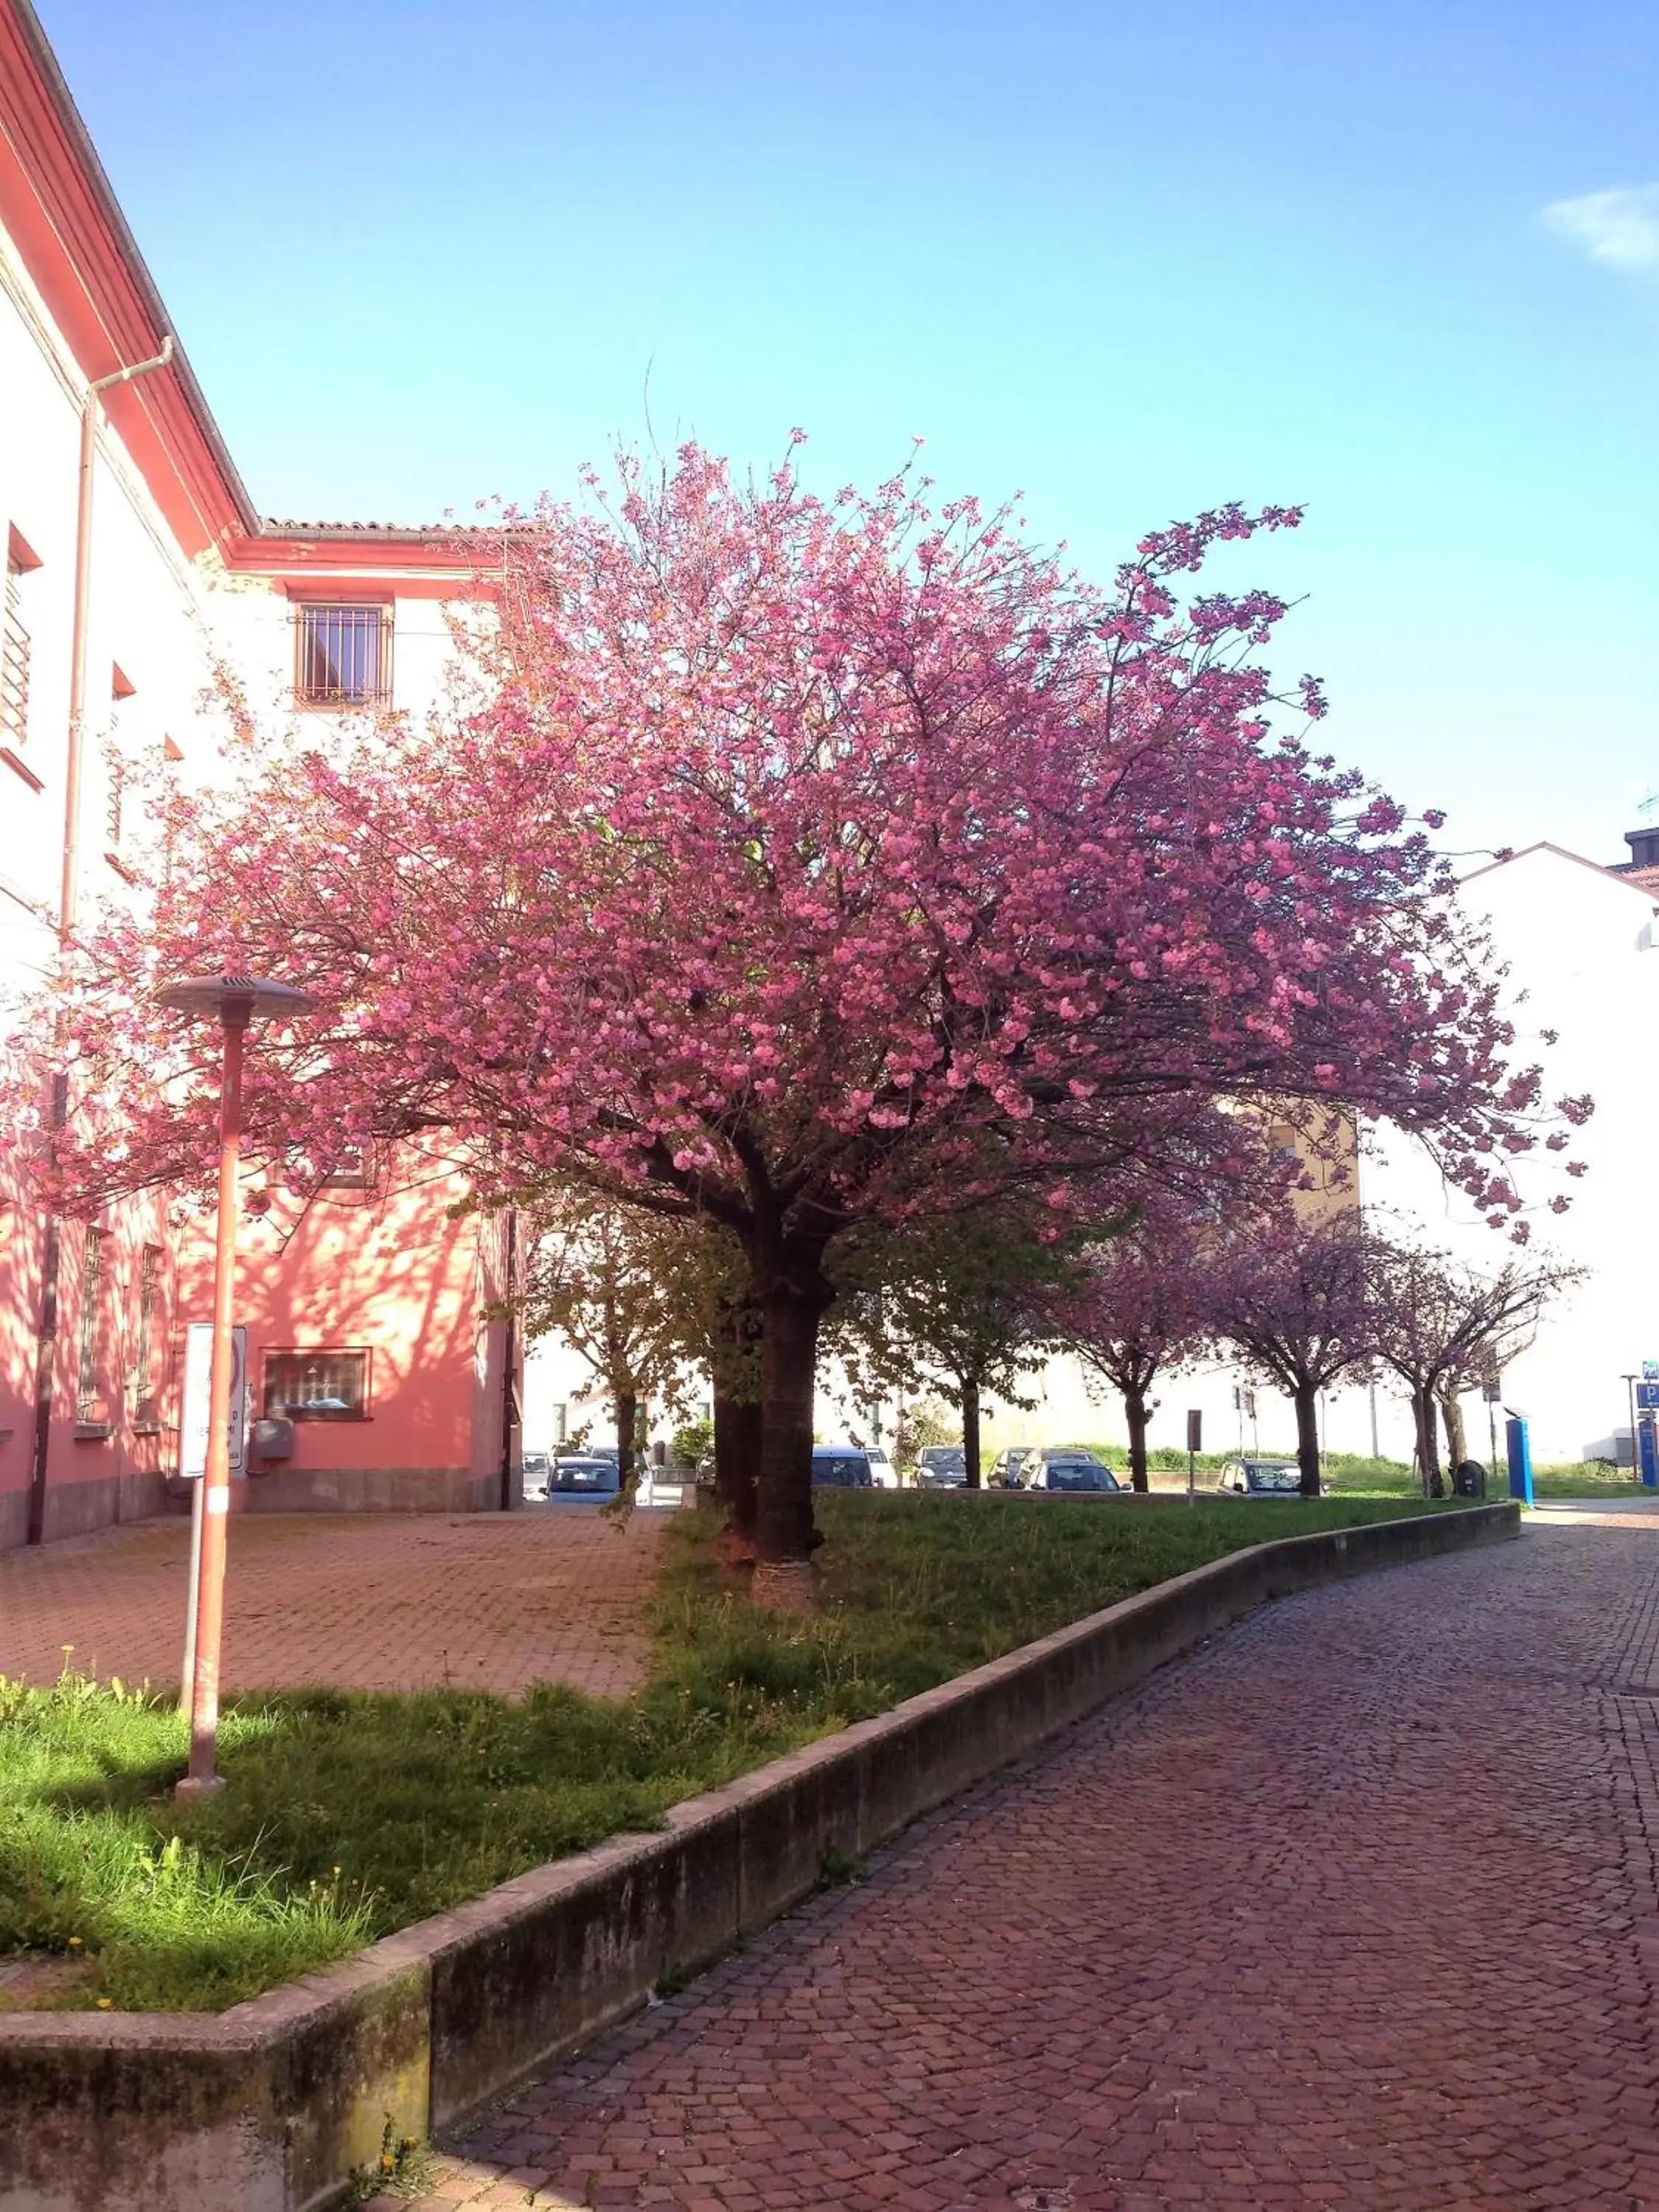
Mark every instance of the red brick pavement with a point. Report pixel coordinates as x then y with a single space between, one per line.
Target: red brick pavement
1355 1908
368 1601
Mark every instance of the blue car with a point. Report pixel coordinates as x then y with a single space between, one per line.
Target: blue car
1067 1469
839 1467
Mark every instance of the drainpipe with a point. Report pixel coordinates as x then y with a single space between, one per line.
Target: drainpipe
90 411
68 900
510 1410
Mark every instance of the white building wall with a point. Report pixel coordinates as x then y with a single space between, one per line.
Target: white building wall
1581 948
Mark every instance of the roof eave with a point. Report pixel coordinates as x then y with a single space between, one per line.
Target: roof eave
144 284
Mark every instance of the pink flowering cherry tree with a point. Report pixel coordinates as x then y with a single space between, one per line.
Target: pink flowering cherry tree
808 855
1292 1293
1130 1311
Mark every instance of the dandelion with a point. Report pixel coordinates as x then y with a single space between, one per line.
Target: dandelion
106 2005
74 1942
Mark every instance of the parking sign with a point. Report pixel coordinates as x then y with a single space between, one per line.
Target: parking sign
193 1419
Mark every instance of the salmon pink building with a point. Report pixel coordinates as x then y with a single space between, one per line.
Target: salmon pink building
136 568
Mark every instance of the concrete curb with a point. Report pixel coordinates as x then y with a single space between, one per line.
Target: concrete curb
270 2107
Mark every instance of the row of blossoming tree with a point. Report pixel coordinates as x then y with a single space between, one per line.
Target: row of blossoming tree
814 870
1307 1304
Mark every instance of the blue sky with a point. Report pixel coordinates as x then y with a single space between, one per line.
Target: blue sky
1129 261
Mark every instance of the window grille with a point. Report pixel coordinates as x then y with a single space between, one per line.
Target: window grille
317 1386
150 1273
14 659
345 656
92 1279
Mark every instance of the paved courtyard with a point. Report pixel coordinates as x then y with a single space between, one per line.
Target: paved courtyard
1355 1908
368 1602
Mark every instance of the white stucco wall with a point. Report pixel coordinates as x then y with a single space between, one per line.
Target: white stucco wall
1580 945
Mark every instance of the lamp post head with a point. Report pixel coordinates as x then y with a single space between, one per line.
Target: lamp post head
235 1000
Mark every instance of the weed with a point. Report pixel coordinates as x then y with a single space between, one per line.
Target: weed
839 1869
404 2168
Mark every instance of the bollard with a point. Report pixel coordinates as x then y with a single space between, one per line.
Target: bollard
1519 1447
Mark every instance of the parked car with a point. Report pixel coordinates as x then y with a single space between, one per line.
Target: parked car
1261 1478
537 1466
1006 1466
581 1476
841 1467
882 1473
1065 1467
941 1467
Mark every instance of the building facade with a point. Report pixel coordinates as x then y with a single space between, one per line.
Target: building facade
1580 942
138 575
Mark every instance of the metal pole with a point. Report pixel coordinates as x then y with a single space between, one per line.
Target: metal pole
1635 1457
202 1775
1492 1438
188 1676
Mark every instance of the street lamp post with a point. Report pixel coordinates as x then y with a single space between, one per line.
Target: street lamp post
235 1000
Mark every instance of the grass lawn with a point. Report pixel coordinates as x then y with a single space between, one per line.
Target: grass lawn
351 1815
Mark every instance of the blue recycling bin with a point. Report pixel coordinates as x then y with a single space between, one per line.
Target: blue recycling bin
1519 1447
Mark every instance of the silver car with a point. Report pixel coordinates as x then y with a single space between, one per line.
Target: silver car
1261 1478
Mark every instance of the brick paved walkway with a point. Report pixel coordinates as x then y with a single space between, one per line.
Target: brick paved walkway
1356 1908
368 1601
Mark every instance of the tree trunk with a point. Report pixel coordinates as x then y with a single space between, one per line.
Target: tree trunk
1134 1409
792 1305
737 1426
1306 1399
971 1432
628 1417
736 1470
1451 1412
1428 1442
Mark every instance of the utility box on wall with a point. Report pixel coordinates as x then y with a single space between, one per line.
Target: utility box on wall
271 1438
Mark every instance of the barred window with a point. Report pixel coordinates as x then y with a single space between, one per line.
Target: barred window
317 1386
345 656
149 1276
121 688
92 1282
14 650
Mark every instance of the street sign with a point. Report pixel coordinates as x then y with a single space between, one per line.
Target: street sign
1195 1431
1651 1370
1647 1397
193 1419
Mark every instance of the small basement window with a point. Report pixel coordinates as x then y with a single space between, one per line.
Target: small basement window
316 1386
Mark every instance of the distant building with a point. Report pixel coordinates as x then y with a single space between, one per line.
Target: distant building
370 1319
1581 942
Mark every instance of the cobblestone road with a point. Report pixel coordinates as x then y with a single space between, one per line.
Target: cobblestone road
1356 1908
363 1601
